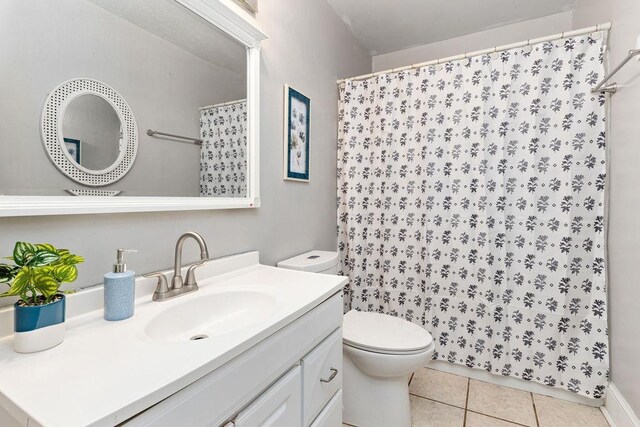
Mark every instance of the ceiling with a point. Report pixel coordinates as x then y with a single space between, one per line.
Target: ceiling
385 26
176 24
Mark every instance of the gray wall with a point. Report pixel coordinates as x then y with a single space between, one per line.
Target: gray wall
624 207
44 43
485 39
309 48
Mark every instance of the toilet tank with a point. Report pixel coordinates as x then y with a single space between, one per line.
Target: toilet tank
324 262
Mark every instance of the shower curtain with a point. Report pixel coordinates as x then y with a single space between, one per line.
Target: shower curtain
223 155
471 201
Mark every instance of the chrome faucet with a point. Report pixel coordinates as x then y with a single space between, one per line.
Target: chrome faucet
178 286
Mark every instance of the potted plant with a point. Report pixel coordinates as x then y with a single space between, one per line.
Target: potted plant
37 272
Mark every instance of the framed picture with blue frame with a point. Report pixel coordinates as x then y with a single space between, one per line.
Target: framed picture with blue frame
73 148
296 139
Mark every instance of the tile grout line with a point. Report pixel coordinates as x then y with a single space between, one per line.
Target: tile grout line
466 403
437 401
535 410
497 418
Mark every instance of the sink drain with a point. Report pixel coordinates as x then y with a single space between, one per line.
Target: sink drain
199 337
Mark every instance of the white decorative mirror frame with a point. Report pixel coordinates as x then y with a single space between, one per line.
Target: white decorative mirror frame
233 20
52 137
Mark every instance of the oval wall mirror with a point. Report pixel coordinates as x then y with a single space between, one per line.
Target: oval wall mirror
89 132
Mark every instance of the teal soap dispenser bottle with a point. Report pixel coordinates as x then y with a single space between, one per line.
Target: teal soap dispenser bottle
119 289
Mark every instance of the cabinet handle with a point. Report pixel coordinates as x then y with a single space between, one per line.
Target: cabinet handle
334 372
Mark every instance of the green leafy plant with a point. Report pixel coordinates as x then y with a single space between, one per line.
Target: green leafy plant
38 272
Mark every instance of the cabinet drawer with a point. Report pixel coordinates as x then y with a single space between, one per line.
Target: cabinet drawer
331 415
321 375
280 405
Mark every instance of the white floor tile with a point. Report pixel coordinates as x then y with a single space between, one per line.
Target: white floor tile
440 386
501 402
428 413
555 412
479 420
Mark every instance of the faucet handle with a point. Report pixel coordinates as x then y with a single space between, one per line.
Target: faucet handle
191 275
162 286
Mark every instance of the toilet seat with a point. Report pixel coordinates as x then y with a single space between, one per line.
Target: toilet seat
381 333
388 351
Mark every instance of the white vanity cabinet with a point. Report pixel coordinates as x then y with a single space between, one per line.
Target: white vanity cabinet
292 378
272 356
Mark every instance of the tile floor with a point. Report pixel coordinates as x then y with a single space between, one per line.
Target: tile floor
439 399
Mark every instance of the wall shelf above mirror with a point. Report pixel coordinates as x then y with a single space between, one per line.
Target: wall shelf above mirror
119 68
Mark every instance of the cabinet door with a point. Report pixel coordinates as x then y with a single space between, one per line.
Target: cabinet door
279 406
331 415
321 376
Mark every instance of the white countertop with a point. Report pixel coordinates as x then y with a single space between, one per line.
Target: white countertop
105 372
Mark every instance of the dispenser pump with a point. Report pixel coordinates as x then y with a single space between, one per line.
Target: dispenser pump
120 266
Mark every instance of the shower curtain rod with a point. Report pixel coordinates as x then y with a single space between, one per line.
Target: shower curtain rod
559 36
222 104
613 87
185 139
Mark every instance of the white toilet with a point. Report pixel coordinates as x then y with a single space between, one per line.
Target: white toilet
380 352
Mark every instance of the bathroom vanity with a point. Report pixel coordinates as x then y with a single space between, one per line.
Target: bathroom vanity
255 345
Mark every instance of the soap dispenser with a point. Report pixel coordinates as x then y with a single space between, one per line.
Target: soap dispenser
119 289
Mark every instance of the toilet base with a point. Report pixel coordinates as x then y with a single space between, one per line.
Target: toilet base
373 401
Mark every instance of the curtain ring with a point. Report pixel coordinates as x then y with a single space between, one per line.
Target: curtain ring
494 55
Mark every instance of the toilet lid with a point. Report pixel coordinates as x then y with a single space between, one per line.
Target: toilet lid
383 333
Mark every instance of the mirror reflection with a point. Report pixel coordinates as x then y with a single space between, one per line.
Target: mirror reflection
92 132
223 155
189 83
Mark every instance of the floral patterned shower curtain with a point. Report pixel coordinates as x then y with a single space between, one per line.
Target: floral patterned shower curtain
471 200
223 155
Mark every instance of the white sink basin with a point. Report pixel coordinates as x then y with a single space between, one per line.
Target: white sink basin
211 315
